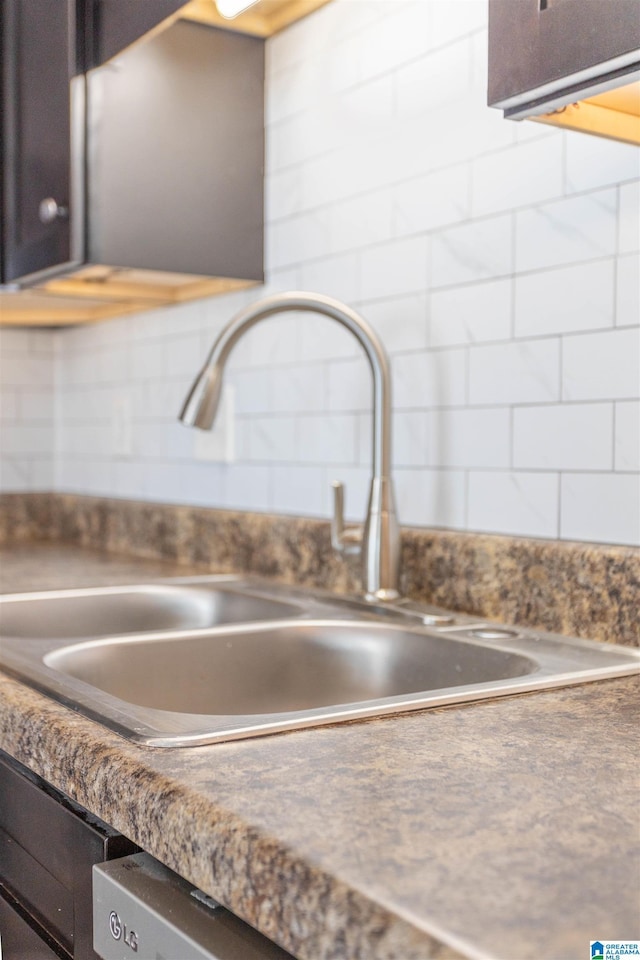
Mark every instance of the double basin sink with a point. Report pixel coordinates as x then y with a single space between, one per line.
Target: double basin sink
207 659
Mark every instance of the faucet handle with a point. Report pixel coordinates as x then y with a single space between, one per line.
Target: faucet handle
346 541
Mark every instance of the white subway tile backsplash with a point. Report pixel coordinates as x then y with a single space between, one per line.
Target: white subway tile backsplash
272 439
565 300
390 42
43 341
350 385
440 78
113 365
26 439
157 399
34 406
628 290
519 372
393 269
496 261
166 482
566 231
498 183
410 438
128 479
601 507
514 503
362 221
300 238
431 498
183 356
434 379
8 404
601 366
593 162
15 341
473 313
329 438
629 218
338 276
473 251
147 360
563 437
479 438
271 342
360 113
432 201
465 131
298 389
452 20
365 438
627 435
207 484
14 474
253 390
150 441
300 490
25 370
400 322
283 194
41 474
322 338
247 487
78 476
179 441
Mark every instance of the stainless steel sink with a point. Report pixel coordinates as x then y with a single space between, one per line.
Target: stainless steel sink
283 667
199 661
111 611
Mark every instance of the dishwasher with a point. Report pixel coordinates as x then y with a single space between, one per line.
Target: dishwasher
144 911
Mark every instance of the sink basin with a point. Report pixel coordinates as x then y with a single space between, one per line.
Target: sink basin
72 614
283 667
211 659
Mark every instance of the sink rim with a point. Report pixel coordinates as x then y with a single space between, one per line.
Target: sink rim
558 659
311 635
178 589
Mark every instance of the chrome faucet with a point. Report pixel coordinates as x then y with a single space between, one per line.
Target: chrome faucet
378 543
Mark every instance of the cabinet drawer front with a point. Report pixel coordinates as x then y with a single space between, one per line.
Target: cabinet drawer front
43 896
48 845
18 939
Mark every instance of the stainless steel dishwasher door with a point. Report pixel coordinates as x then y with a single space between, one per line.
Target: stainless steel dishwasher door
144 911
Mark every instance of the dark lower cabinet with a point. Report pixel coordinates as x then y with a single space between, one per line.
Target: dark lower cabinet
48 846
20 937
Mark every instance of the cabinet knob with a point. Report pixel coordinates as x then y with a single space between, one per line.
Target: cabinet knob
49 210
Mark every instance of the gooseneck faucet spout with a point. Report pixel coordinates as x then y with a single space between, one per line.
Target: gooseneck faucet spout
379 542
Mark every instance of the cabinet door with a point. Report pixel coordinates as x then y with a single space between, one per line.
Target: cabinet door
48 846
19 939
542 50
118 23
38 61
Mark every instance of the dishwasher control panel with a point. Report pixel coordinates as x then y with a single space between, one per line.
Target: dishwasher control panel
144 911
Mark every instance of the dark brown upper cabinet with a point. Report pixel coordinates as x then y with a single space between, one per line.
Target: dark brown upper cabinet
39 64
131 172
546 56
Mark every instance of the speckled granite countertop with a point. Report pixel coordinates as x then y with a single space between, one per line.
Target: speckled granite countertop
507 829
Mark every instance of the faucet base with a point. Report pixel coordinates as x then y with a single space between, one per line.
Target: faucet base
382 596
